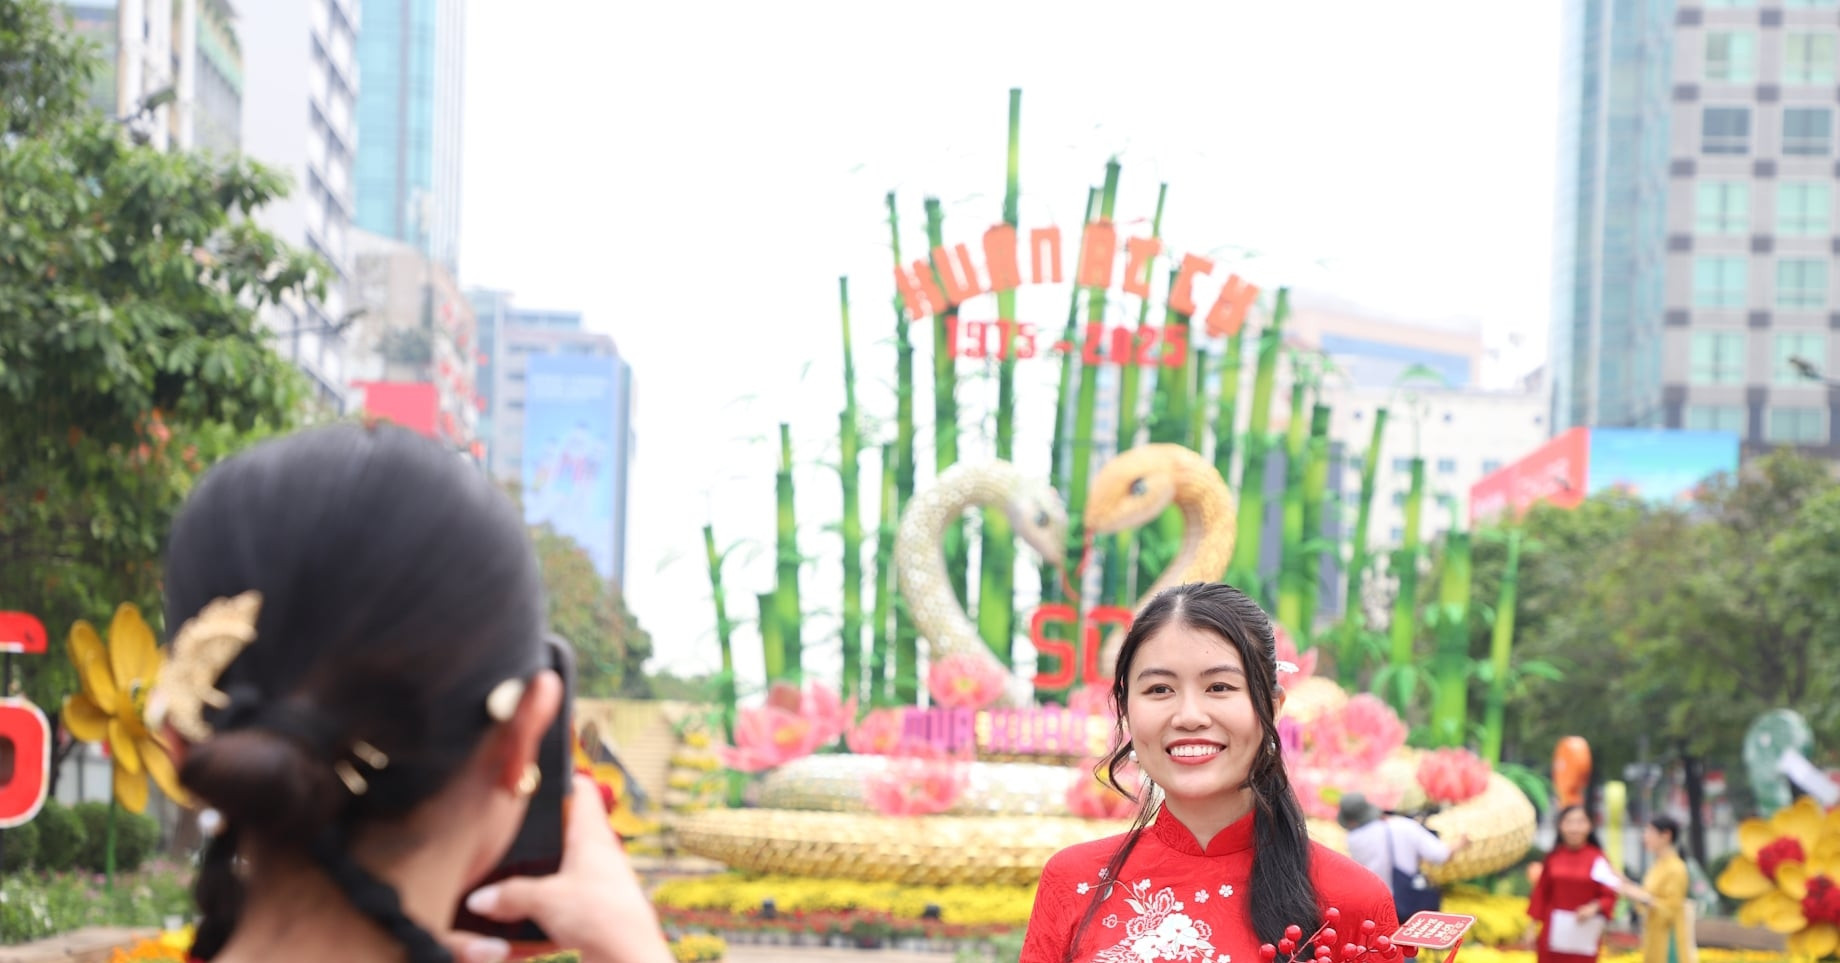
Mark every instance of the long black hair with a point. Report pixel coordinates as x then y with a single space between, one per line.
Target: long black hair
1590 838
1281 893
398 589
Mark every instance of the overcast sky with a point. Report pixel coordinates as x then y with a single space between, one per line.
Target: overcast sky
695 177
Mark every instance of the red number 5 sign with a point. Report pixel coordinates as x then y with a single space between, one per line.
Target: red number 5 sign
25 733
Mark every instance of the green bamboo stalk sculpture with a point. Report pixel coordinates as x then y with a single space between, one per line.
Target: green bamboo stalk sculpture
945 401
724 635
1501 643
1226 416
1404 627
787 611
1082 447
1348 648
849 443
1120 557
882 627
1450 663
1060 456
772 640
996 601
1315 493
906 635
1290 564
1244 570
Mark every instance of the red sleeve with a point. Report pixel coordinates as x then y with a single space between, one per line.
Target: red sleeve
1045 941
1540 900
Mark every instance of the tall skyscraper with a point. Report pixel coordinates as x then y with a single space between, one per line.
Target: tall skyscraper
1695 240
411 54
298 116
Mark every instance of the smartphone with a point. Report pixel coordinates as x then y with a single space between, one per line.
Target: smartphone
537 850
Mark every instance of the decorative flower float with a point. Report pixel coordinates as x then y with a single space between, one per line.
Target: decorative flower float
921 798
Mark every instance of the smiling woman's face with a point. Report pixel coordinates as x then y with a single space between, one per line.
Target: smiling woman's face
1191 718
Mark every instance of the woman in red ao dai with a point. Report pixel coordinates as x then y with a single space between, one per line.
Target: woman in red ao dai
1223 864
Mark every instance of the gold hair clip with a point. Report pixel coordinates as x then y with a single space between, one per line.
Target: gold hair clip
349 776
203 648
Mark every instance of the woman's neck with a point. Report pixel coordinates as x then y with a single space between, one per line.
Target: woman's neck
303 916
1206 818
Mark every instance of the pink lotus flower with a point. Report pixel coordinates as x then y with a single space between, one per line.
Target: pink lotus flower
1452 775
878 734
1287 652
963 681
1358 736
1091 797
916 786
790 726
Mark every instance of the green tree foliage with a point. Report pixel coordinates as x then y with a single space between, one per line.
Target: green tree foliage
131 356
589 611
1679 623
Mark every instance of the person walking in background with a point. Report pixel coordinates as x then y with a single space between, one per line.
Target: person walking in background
1575 894
1393 848
1667 930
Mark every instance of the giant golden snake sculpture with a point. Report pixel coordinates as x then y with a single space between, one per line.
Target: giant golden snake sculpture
1135 487
1035 512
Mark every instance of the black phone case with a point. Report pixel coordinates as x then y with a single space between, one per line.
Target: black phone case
537 849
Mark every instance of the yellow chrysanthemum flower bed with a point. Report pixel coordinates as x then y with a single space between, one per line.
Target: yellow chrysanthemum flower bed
698 948
738 894
1500 920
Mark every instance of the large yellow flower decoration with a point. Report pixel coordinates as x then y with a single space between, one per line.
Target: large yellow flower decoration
115 683
1788 874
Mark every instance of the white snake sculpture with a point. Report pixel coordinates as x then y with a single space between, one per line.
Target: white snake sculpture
1135 487
1037 515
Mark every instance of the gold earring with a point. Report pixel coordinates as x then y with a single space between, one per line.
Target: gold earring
527 784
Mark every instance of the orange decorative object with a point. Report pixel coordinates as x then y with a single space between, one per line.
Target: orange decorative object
1571 770
1045 240
1000 258
919 290
1099 250
1182 293
960 278
1139 252
1230 308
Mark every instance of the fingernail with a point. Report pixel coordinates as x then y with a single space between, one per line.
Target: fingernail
486 950
483 900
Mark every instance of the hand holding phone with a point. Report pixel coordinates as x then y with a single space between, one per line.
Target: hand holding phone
593 903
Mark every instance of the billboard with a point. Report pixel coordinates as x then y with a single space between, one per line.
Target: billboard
569 472
1657 464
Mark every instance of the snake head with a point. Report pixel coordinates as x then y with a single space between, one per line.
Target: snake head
1131 490
1039 517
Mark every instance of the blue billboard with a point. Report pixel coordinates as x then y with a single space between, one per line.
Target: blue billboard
572 447
1662 466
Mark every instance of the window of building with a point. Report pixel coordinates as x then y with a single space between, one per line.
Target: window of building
1718 358
1399 534
1399 498
1491 465
1402 464
1716 4
1725 130
1796 426
1808 58
1807 131
1722 207
1801 284
1446 501
1447 466
1802 208
1716 418
1718 282
1810 4
1810 346
1731 56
